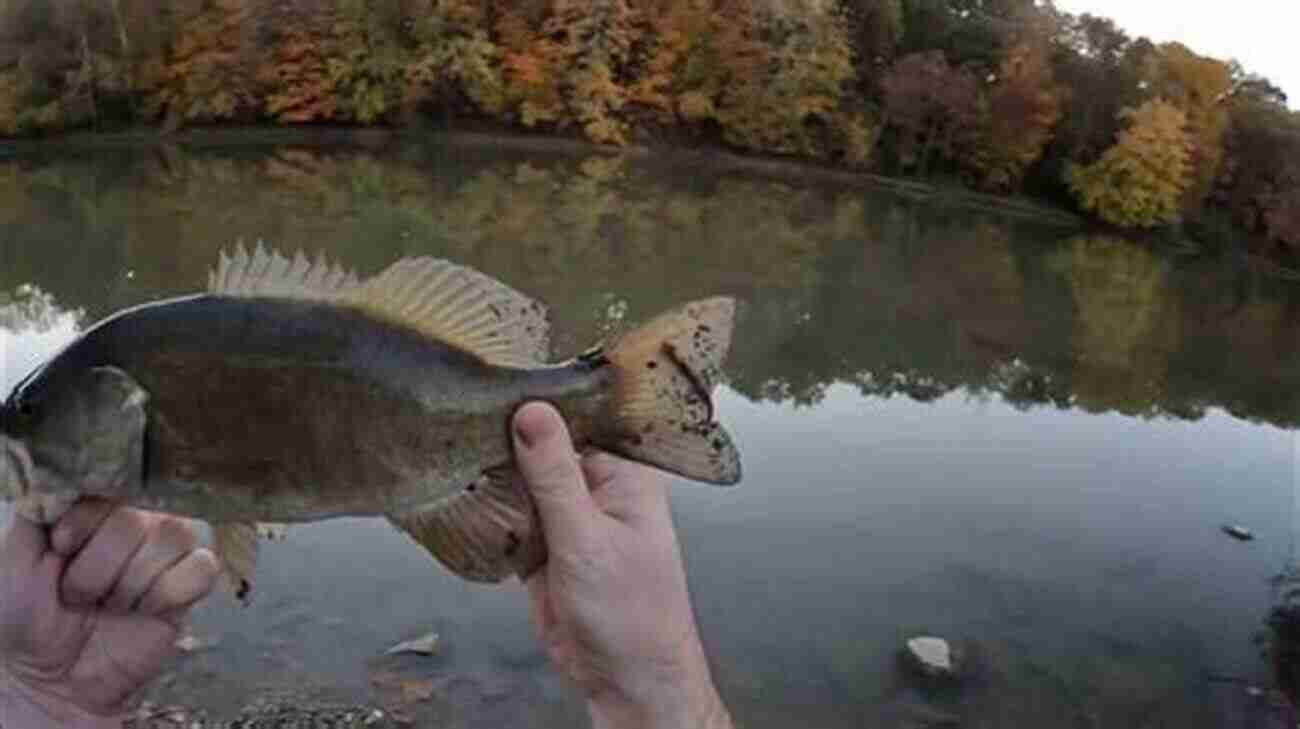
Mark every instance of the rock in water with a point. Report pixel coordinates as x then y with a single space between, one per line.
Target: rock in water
425 645
931 656
1238 532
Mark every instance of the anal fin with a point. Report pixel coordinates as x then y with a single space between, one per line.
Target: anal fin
484 533
236 547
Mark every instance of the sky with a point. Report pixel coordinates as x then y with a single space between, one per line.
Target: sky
1258 33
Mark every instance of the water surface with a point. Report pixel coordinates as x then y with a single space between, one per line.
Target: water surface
1019 437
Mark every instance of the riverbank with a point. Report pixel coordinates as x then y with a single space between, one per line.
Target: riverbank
771 167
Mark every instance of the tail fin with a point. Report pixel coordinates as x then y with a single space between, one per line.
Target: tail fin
665 372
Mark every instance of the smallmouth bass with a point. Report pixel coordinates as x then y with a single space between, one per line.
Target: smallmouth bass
296 392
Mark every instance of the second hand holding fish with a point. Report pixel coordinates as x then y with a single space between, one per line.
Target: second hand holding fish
612 603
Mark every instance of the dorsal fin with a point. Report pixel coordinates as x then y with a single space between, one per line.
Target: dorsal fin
267 273
440 299
459 306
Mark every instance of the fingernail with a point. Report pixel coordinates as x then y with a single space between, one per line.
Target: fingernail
522 431
533 423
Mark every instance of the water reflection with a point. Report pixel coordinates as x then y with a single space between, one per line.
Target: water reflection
1011 434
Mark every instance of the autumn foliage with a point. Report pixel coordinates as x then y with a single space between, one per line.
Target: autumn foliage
1140 182
1006 96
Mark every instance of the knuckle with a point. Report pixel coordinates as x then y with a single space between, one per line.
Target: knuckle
131 521
557 471
177 532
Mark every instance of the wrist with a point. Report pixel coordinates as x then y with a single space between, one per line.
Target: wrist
22 707
679 697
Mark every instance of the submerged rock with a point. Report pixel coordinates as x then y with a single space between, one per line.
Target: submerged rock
425 645
1238 532
931 656
190 643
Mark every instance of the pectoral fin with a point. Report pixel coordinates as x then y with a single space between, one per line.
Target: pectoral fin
485 533
236 547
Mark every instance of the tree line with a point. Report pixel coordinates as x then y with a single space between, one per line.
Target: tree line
1005 96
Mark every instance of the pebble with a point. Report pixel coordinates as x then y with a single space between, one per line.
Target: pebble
263 714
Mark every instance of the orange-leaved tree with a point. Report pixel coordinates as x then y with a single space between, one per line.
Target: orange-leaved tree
206 75
595 43
294 72
1023 106
1141 180
1200 86
772 75
532 64
677 35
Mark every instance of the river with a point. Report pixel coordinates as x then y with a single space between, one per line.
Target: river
1018 436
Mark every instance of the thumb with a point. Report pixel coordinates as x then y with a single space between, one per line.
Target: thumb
550 467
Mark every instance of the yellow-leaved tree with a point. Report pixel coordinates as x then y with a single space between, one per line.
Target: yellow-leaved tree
1140 181
1126 326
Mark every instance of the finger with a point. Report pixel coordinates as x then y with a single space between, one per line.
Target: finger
623 489
550 468
25 542
75 527
539 606
600 468
167 543
177 589
100 563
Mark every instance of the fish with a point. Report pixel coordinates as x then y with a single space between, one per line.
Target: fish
294 391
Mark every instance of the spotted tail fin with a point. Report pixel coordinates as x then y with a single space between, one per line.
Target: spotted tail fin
665 374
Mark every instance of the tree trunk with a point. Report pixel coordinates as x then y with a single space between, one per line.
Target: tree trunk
88 75
931 131
122 40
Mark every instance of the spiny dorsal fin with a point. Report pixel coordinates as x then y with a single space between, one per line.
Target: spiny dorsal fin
461 307
267 273
440 299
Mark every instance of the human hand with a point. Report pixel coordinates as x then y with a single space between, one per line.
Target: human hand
611 603
89 610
